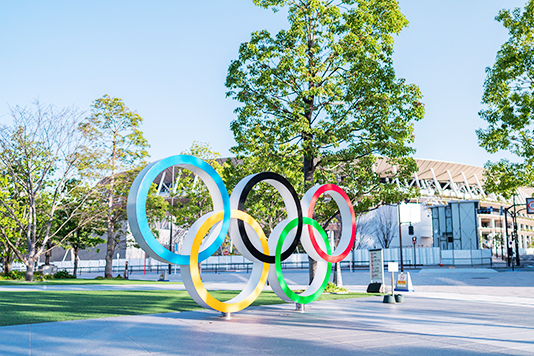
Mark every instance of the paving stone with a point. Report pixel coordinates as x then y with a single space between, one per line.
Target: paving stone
453 314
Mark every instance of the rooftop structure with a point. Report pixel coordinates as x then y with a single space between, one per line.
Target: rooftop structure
441 183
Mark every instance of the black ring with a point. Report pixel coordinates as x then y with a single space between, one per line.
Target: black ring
241 206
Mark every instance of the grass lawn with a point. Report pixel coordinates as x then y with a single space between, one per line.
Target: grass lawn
30 307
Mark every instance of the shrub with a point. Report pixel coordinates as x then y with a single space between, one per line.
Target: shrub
38 276
332 288
15 275
63 274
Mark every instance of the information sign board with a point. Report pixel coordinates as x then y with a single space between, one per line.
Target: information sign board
376 266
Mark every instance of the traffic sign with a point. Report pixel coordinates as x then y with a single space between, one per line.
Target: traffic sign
530 205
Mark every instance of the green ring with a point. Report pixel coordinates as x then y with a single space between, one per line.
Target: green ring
278 263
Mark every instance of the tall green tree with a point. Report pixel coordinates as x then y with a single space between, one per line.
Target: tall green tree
39 153
323 97
117 146
508 96
9 229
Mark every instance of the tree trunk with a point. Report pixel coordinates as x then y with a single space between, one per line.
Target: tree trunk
75 271
109 258
338 281
111 235
337 275
109 219
8 260
312 268
308 182
308 164
48 253
30 269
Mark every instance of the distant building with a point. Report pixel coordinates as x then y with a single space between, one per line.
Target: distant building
460 214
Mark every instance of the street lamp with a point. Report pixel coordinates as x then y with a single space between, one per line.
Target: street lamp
514 233
170 241
400 233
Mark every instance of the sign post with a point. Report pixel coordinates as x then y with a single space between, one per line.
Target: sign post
392 267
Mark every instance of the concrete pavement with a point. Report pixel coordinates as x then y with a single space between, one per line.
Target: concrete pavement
452 312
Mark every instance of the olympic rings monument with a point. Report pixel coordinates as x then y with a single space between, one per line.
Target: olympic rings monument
246 234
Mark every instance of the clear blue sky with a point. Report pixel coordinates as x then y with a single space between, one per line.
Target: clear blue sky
168 60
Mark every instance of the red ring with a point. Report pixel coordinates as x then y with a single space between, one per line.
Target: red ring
318 193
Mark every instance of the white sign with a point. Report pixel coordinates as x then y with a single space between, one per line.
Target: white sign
410 213
530 205
376 266
393 267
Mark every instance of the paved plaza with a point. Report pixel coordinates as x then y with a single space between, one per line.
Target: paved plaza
469 311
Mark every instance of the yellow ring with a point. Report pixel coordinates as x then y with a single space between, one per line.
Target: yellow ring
241 303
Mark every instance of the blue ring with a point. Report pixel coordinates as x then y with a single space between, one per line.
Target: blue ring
136 208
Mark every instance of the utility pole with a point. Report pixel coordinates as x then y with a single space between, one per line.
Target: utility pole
517 259
509 259
171 217
400 238
170 244
502 237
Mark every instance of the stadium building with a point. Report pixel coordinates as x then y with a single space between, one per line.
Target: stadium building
456 212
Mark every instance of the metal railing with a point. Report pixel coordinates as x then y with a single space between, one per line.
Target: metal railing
453 261
219 267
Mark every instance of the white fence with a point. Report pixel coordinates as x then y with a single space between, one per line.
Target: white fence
430 256
526 251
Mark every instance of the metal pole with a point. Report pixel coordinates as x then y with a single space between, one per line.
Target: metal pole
414 260
502 243
400 239
170 245
518 261
392 283
354 246
352 263
507 246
